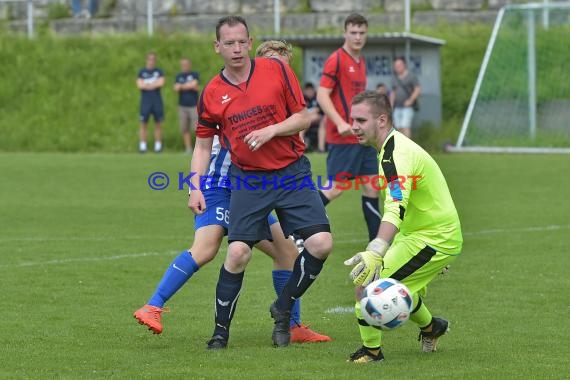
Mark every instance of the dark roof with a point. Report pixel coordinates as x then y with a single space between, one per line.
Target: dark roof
311 40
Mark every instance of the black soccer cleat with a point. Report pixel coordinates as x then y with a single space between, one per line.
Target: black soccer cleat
439 326
217 342
281 333
363 355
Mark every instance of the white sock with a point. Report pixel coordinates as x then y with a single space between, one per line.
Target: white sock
157 146
142 146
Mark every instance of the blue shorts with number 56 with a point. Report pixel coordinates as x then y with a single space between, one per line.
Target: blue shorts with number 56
218 209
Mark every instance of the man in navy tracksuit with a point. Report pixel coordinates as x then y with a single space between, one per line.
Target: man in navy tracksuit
150 80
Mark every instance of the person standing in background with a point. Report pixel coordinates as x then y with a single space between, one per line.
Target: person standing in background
149 82
404 96
187 86
344 76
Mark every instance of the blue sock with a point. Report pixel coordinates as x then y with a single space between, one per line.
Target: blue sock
280 278
178 272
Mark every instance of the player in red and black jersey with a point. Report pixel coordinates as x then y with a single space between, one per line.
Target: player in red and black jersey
269 95
344 76
257 108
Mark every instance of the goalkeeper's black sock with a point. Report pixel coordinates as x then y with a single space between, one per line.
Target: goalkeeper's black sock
372 216
227 294
421 314
305 271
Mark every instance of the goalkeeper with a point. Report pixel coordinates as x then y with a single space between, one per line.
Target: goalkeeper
420 233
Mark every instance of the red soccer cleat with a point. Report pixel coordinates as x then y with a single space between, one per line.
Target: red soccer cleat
150 316
303 334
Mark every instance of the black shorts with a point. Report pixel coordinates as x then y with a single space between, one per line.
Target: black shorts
290 191
352 159
154 108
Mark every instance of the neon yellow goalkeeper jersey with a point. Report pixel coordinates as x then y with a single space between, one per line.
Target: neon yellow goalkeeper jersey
416 196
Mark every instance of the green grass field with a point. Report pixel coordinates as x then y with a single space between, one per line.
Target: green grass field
84 240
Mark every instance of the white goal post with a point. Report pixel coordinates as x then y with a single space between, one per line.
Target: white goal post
521 99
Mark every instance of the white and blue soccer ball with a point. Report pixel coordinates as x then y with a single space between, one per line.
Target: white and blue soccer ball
386 304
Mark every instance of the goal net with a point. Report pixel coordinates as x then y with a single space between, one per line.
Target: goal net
521 100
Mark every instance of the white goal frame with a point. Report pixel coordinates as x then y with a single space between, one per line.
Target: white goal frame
531 8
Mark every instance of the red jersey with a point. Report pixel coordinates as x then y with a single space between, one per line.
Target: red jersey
346 78
270 95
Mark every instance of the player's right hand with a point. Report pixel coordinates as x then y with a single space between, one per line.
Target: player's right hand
196 202
367 269
368 263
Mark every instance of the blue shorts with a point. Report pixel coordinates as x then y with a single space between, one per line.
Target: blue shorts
154 108
297 205
352 159
218 210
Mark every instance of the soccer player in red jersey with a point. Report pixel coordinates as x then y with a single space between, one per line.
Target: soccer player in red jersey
344 76
256 106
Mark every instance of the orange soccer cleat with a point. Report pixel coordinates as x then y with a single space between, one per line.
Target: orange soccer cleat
150 316
303 334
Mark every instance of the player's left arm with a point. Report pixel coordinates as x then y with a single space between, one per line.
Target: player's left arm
291 126
299 120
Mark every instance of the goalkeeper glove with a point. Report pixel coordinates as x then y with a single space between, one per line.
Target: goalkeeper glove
368 263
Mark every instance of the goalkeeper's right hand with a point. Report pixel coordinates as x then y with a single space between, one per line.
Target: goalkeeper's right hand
368 263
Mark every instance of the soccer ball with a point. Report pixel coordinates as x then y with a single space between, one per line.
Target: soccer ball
386 304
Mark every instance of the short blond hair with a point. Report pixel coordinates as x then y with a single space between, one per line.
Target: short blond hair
275 48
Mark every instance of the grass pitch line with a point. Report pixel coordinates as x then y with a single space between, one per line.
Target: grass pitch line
554 227
340 310
86 259
83 238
